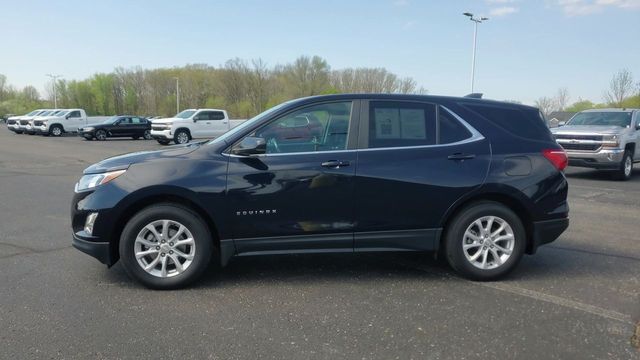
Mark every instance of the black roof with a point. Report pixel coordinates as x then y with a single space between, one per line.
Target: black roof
413 97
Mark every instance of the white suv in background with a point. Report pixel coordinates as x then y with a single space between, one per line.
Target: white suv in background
192 124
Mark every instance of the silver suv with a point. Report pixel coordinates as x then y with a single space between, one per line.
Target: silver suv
606 139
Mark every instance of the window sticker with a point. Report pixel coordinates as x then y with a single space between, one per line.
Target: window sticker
387 123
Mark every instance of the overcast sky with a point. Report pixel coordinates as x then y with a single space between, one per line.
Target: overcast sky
526 50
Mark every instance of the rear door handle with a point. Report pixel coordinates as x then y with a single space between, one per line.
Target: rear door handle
461 156
335 163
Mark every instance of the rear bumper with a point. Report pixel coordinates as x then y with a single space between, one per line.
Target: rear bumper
99 250
547 231
603 159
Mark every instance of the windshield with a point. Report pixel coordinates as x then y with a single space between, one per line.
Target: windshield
249 122
33 113
185 114
46 113
606 118
61 113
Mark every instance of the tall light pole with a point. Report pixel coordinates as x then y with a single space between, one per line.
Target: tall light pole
476 21
55 87
177 95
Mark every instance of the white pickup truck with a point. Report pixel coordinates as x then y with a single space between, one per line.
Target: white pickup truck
19 123
192 124
67 120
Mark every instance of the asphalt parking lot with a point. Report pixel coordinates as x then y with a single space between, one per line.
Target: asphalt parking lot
578 297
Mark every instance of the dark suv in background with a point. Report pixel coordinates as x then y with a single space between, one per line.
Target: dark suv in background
479 181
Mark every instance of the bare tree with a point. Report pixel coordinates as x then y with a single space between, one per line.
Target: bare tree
562 98
620 87
546 105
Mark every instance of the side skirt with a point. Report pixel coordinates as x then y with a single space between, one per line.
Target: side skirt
393 240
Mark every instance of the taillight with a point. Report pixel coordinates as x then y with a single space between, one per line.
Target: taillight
557 157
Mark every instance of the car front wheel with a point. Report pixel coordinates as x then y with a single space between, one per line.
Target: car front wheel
181 137
485 241
55 130
165 246
626 167
101 135
147 135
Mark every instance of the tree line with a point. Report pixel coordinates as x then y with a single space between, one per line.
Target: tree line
244 88
623 92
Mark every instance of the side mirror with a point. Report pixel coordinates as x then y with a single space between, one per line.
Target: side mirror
250 146
562 123
67 116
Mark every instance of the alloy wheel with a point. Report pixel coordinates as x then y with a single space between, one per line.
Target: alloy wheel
56 131
628 165
488 242
147 135
182 138
164 248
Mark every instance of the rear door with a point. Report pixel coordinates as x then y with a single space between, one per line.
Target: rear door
219 123
416 160
74 121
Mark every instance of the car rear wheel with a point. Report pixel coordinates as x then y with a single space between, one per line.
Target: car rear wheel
181 137
101 135
626 167
165 246
485 241
147 135
56 130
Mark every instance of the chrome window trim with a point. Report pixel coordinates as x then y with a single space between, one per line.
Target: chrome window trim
475 136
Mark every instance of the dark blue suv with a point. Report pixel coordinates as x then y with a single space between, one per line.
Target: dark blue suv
478 181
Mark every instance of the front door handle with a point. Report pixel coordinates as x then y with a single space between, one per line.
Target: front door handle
335 164
461 156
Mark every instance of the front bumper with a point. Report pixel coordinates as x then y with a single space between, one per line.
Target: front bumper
162 134
41 130
603 159
546 231
13 128
97 249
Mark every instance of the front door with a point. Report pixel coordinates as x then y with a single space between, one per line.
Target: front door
417 160
299 195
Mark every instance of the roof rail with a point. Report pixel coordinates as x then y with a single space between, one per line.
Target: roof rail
474 95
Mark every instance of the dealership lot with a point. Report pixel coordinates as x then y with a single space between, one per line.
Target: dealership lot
579 297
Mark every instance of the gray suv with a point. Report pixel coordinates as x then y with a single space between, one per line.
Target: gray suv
606 139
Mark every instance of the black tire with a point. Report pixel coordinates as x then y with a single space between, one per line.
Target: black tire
455 237
163 142
18 132
181 137
183 215
626 167
56 130
101 135
147 135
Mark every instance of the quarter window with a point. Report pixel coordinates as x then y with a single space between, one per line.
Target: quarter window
450 129
401 124
322 127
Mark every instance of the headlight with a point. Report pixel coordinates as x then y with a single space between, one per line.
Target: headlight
93 180
611 141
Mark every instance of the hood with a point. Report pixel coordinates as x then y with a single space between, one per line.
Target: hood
165 120
124 161
588 129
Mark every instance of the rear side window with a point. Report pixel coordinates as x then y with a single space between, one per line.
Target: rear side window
401 124
216 115
520 122
450 129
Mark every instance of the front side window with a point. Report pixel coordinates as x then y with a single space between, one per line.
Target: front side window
74 114
125 121
322 127
185 114
401 124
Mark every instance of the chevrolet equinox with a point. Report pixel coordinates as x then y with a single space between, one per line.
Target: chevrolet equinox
478 181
